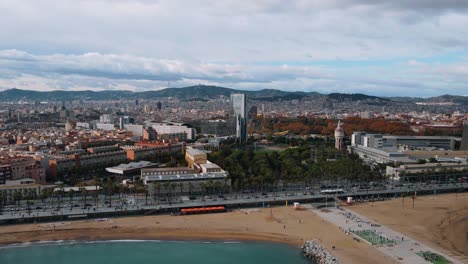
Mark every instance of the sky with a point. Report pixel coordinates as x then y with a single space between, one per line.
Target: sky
377 47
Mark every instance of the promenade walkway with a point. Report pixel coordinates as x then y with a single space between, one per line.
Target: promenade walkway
404 249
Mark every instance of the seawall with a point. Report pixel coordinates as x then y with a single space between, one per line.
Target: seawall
313 250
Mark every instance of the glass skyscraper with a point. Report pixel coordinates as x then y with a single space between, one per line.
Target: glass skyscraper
239 112
464 141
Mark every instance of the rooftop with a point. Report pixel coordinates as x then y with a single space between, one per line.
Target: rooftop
78 189
193 151
168 169
182 177
210 165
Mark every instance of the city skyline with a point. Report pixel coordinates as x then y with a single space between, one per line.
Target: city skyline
376 48
327 131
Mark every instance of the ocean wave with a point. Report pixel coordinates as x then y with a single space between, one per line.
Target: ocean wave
73 242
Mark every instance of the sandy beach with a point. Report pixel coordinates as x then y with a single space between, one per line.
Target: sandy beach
439 221
279 224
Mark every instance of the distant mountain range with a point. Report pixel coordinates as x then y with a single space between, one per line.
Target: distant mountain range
199 91
203 91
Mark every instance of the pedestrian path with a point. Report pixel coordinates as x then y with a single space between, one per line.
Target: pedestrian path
392 243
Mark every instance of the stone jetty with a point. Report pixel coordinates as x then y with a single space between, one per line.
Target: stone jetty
313 250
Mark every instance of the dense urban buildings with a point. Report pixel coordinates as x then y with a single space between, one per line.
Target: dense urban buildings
161 155
338 127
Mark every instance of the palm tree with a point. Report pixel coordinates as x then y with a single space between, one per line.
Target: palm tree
125 190
110 191
146 194
2 199
166 188
71 193
96 196
202 187
46 194
217 186
210 185
17 196
181 187
156 190
59 192
173 187
236 186
225 187
190 188
84 194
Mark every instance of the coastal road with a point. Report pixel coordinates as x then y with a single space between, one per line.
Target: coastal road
231 201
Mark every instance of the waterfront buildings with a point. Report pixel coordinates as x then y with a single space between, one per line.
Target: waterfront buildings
132 168
186 178
17 168
427 168
23 188
198 175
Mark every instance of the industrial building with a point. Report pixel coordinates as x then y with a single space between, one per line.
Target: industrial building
402 142
395 173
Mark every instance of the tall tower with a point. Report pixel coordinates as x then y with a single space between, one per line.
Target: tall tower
239 110
464 141
339 135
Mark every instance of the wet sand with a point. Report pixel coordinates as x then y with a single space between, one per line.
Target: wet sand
279 224
440 221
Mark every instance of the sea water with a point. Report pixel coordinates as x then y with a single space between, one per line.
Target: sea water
144 252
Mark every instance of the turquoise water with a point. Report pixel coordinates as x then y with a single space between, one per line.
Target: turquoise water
136 252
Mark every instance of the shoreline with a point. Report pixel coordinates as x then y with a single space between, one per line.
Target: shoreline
185 235
135 240
282 225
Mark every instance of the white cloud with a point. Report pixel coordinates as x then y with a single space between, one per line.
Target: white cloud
143 44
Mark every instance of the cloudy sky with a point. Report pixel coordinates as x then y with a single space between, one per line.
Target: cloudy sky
378 47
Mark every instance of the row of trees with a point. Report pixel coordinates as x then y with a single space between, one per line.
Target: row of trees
17 196
310 125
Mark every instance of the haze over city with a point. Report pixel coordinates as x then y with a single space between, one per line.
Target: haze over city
384 48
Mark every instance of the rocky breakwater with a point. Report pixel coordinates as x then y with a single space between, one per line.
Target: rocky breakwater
317 253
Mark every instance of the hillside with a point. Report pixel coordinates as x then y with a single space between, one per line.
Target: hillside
199 91
207 92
